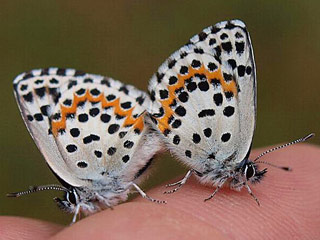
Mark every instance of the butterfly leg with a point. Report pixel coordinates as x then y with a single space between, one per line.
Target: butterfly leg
217 189
76 212
179 183
144 195
251 193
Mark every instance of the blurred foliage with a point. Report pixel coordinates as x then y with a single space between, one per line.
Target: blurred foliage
128 40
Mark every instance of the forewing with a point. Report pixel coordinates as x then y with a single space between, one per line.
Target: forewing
37 92
86 126
204 96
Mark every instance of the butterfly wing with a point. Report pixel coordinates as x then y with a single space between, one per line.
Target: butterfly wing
37 92
78 121
204 96
99 128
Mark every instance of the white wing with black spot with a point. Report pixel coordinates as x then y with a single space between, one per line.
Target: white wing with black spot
37 92
88 127
204 96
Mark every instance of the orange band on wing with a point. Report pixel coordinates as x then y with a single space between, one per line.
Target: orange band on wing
230 86
137 123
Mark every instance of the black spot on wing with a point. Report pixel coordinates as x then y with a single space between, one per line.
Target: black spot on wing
106 82
225 137
79 73
228 111
171 63
206 113
124 89
241 70
38 117
239 47
28 75
40 91
202 36
72 83
71 148
125 158
44 110
82 164
227 46
176 139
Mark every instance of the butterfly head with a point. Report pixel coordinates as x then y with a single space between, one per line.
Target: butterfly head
248 169
250 172
69 202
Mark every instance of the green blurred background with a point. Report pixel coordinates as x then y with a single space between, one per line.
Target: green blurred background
128 40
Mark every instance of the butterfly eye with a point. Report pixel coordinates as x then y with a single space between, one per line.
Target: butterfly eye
72 197
249 171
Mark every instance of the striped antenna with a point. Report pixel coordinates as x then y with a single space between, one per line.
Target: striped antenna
303 139
33 189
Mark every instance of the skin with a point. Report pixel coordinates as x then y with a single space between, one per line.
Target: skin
290 208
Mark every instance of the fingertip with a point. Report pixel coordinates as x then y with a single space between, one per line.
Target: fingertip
25 229
289 200
140 220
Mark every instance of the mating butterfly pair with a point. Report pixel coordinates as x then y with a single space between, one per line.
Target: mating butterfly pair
99 136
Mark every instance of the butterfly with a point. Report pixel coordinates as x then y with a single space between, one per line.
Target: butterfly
92 133
204 105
